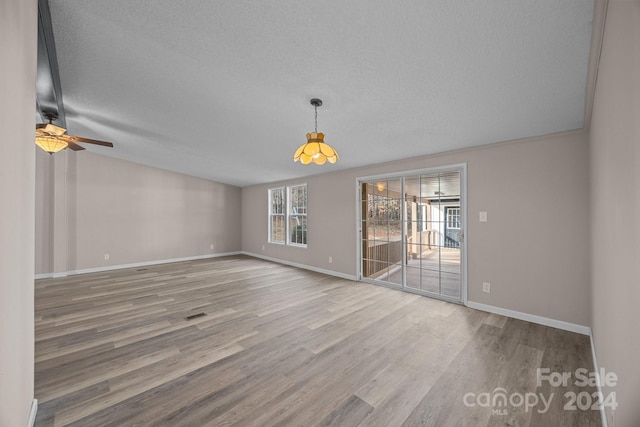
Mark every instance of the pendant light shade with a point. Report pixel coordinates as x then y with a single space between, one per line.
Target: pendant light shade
315 150
49 137
51 144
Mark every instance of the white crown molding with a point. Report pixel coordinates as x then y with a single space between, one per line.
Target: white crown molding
597 37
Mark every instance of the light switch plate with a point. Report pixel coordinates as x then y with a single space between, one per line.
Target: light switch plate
483 217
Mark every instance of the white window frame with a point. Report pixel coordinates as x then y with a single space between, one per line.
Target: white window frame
453 217
290 213
462 167
271 215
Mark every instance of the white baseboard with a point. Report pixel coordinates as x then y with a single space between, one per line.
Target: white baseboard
132 265
559 324
32 413
596 368
304 266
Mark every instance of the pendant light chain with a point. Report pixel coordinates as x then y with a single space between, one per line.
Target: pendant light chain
316 108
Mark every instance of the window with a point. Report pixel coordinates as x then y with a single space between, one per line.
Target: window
288 215
276 215
297 212
453 218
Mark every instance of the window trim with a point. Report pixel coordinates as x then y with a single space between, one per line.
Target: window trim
451 217
270 215
288 214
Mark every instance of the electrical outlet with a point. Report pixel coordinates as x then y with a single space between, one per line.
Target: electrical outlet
330 260
263 247
486 287
106 257
212 246
483 217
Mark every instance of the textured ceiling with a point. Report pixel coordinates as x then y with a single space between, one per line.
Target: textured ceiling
221 90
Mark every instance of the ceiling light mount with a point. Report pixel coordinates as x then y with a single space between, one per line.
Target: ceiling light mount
50 116
316 102
315 150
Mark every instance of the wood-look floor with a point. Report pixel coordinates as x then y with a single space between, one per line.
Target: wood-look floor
284 347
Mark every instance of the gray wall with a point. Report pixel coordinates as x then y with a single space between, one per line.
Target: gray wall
88 205
18 30
615 206
534 249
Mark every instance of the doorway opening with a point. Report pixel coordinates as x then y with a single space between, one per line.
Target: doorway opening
412 232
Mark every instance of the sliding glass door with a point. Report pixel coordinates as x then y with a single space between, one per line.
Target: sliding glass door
382 229
412 232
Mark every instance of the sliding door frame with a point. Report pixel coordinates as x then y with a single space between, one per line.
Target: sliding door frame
459 167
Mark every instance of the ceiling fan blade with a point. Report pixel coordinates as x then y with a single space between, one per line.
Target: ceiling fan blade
74 146
90 141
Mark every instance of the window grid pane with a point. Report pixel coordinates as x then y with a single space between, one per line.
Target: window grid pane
298 230
453 218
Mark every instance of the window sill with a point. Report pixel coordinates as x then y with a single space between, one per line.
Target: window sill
297 245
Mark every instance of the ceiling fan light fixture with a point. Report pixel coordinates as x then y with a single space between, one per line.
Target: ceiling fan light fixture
315 150
51 144
52 138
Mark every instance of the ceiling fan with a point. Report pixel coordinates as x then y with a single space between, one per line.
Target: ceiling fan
52 138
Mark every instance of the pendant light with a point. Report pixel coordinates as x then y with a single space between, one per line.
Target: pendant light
315 150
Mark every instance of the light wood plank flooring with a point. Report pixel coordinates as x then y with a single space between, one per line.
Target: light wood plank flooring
281 346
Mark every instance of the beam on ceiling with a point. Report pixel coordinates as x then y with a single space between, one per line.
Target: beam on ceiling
48 89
